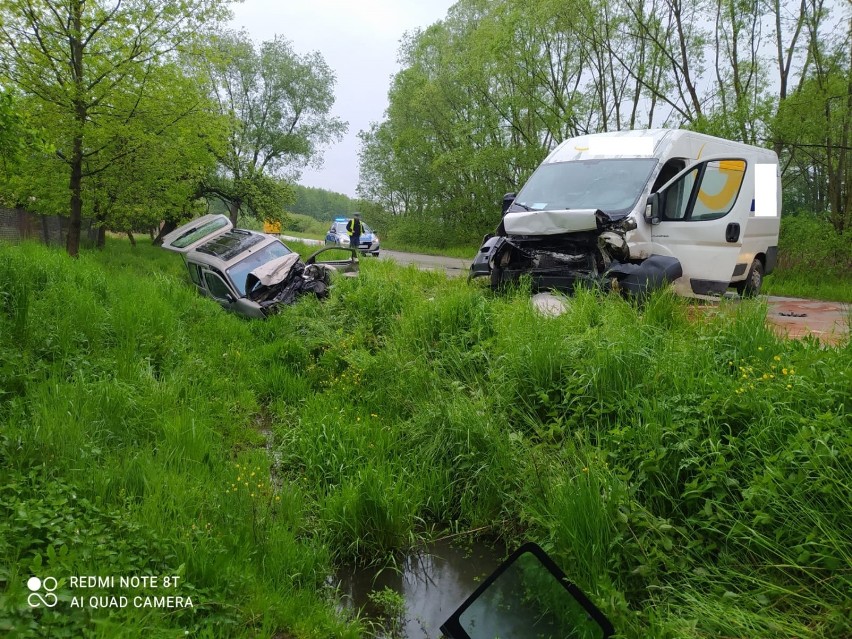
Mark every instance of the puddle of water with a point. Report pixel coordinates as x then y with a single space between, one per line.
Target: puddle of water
434 581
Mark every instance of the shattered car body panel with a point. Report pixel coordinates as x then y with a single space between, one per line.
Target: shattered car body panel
251 273
586 216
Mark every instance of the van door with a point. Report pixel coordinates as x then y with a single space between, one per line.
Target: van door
702 214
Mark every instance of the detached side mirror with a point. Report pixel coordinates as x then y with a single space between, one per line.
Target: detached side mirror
507 201
527 596
652 209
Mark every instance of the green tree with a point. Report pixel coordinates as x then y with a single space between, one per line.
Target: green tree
279 103
16 135
486 93
84 59
160 156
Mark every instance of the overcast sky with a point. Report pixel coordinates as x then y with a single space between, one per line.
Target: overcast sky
359 40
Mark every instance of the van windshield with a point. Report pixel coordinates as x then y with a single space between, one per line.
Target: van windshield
610 185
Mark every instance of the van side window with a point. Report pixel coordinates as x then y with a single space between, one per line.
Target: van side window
670 169
707 192
678 196
216 286
720 186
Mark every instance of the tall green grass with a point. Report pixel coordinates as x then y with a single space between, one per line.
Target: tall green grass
690 473
814 261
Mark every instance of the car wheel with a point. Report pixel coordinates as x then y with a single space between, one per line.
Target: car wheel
375 253
751 285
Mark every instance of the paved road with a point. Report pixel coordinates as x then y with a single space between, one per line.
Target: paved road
452 265
796 317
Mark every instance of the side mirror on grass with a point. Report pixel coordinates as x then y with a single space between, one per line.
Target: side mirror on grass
528 596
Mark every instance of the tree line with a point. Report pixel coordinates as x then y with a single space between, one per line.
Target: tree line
486 93
323 205
136 111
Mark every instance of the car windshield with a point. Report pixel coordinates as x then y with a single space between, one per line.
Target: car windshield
239 271
609 185
340 227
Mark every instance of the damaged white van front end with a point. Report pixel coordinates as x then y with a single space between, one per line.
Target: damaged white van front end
638 210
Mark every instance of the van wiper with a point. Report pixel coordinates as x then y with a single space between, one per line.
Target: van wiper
523 206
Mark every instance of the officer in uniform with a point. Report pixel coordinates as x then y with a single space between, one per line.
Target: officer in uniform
354 227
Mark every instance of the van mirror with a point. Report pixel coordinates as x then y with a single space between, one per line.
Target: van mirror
528 596
507 201
652 209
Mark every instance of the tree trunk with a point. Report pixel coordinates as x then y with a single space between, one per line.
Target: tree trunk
167 227
72 244
132 239
101 221
75 40
234 210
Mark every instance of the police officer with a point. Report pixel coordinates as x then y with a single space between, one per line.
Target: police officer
354 227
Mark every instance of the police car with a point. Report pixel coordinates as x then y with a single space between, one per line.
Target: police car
338 236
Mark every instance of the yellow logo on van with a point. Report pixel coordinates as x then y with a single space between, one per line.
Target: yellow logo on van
730 177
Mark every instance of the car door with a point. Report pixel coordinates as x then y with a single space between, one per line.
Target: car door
216 286
342 260
702 213
195 233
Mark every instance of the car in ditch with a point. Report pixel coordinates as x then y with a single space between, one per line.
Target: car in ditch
338 236
640 210
251 273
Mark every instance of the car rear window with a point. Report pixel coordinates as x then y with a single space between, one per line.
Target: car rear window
196 234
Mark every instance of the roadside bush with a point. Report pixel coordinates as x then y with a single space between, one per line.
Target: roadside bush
814 261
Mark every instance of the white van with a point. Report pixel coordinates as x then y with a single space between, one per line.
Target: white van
637 210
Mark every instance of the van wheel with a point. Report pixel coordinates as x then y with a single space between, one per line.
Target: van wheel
751 285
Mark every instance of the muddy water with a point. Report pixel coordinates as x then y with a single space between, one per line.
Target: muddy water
434 581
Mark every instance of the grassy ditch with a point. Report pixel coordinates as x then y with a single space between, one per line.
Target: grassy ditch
691 475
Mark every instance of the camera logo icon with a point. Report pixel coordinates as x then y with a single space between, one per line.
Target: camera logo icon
37 586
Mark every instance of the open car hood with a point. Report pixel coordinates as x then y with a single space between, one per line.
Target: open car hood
273 272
